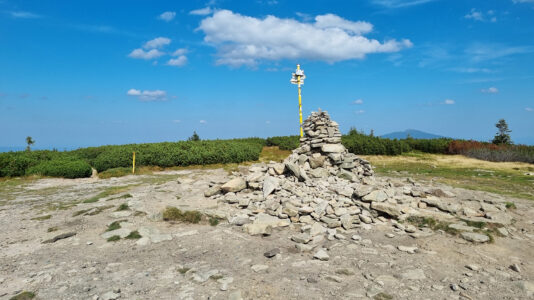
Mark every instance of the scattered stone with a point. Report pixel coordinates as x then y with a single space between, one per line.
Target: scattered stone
303 238
259 268
502 231
334 278
60 237
515 267
410 250
235 295
321 255
235 185
212 191
474 237
269 185
110 296
413 274
473 267
258 229
271 253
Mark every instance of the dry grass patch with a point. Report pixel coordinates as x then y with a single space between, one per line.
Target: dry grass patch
505 178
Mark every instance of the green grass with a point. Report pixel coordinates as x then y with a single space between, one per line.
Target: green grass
134 235
122 207
115 225
175 214
506 179
432 224
216 277
510 205
110 192
480 227
23 296
95 210
183 270
213 221
52 229
42 218
114 238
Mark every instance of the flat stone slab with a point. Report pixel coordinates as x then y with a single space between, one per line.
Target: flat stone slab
122 232
413 274
474 237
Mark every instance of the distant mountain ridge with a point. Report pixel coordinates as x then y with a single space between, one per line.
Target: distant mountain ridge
416 134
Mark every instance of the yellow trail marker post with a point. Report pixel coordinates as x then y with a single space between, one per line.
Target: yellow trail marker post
298 79
133 163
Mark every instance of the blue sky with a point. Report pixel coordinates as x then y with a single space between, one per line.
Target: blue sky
87 73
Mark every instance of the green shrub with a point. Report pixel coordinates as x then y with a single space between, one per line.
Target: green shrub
77 163
284 142
62 168
175 214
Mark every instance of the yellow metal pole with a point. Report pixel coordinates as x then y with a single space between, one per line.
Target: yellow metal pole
133 164
300 103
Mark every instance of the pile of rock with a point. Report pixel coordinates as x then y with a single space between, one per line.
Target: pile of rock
321 153
327 190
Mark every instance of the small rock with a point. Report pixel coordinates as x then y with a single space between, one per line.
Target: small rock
454 287
410 250
515 267
413 274
110 296
235 296
473 267
333 278
259 268
60 237
271 253
235 185
474 237
356 237
303 238
321 255
502 231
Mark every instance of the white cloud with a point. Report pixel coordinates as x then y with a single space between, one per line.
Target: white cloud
147 96
480 16
491 90
472 70
142 54
167 16
333 21
243 40
176 121
177 62
358 101
23 15
475 15
359 112
305 17
203 122
267 122
399 3
202 11
449 102
482 52
157 43
529 109
179 52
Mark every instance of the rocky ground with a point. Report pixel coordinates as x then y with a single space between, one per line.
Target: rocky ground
56 246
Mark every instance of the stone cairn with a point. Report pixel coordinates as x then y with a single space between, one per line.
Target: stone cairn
322 154
326 190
